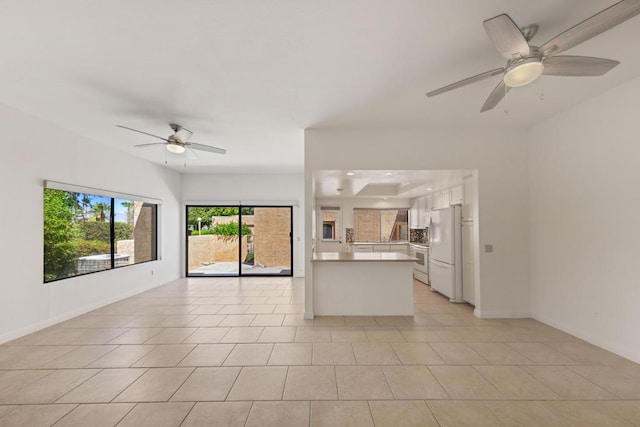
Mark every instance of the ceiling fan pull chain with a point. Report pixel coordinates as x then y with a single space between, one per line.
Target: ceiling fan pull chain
542 88
506 107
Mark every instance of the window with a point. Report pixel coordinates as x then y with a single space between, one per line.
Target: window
329 230
330 219
380 225
86 233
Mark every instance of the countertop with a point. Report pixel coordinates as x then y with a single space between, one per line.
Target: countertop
380 243
421 245
361 256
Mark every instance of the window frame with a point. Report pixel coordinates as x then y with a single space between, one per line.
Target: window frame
70 188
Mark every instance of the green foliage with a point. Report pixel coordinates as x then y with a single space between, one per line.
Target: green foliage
100 210
93 230
230 229
202 232
59 253
122 231
90 247
205 214
68 235
130 210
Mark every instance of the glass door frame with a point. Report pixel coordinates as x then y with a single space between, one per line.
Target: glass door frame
240 207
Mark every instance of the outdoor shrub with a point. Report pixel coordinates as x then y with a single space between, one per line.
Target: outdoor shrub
90 247
95 230
201 233
123 231
230 229
58 248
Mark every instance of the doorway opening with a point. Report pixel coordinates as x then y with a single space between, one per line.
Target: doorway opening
236 240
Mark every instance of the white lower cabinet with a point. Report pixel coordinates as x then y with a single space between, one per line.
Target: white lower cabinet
380 247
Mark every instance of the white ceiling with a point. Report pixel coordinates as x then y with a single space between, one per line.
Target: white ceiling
383 184
250 76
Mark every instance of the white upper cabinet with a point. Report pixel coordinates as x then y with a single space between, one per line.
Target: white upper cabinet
456 195
428 202
437 200
414 214
445 198
470 199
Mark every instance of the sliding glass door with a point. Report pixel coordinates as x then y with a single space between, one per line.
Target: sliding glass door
239 240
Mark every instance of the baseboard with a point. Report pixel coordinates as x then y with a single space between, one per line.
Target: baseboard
308 315
591 339
485 314
71 314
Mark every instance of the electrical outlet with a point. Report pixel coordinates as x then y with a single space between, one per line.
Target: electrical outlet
488 248
152 271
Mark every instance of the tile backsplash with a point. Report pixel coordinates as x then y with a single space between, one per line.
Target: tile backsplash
419 235
349 235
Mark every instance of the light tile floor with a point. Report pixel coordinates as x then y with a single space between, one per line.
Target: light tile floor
237 352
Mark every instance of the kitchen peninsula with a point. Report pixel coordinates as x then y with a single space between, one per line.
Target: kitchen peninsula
362 284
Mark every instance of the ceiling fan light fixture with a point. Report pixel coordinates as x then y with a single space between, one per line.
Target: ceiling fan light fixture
524 72
176 148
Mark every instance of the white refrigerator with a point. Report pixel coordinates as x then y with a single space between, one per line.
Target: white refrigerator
445 262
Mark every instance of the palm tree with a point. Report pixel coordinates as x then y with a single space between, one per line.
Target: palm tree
100 209
129 205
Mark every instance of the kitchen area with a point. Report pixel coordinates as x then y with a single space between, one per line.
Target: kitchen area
409 225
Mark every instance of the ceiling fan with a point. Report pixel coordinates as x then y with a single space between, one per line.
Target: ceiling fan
525 62
178 142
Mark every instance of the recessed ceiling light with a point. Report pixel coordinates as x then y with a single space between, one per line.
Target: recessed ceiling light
385 198
388 173
428 188
350 173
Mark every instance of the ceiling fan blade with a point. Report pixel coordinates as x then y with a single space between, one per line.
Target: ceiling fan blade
495 97
565 65
149 145
467 81
209 148
591 27
506 37
191 154
146 133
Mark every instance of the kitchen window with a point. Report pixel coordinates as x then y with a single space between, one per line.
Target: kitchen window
330 222
380 225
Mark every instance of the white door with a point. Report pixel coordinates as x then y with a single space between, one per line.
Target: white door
441 235
468 266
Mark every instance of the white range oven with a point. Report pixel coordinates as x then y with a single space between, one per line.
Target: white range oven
421 266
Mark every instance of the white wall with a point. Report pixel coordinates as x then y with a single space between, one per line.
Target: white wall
270 189
35 150
585 246
500 156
